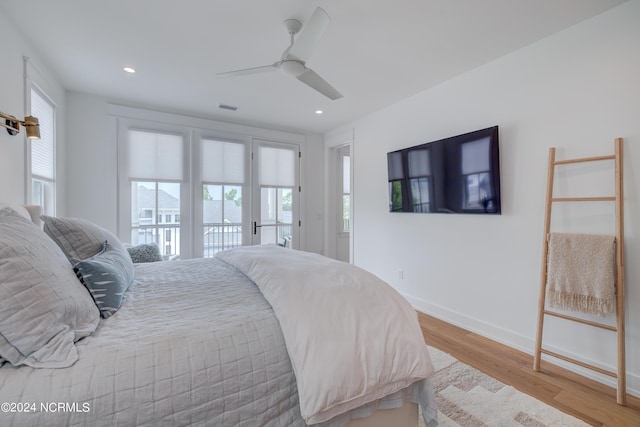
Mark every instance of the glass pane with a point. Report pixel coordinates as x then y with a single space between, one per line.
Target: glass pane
285 213
285 200
42 195
222 217
37 192
151 201
268 208
143 212
346 212
276 214
268 215
168 208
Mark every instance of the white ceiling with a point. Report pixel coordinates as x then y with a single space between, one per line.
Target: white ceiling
376 52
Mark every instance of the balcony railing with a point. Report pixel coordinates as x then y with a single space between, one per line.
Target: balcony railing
218 237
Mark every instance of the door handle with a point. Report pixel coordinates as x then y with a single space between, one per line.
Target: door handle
255 227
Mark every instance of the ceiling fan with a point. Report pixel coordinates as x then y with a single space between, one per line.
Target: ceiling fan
294 58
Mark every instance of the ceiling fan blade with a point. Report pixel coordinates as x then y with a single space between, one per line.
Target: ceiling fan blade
306 42
246 71
312 79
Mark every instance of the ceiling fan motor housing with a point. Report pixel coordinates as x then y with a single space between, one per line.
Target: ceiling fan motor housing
294 68
293 26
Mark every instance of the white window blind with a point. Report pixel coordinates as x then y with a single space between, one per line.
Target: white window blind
475 156
419 163
346 174
42 150
222 162
157 156
277 167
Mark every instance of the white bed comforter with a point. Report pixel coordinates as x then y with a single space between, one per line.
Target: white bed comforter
340 360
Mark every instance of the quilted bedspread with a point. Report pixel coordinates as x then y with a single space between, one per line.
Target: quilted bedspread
194 343
351 337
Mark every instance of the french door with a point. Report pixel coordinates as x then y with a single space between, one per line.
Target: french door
276 193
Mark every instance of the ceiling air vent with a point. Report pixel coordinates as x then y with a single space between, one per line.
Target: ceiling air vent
228 107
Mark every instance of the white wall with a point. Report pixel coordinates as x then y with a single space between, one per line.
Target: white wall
576 90
12 101
92 150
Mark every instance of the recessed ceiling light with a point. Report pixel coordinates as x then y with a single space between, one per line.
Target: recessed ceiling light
129 70
319 112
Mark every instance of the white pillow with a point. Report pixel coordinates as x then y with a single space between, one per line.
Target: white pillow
20 209
79 238
44 308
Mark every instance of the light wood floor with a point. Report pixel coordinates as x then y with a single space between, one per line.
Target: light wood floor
583 398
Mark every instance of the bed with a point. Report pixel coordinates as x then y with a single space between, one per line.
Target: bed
256 336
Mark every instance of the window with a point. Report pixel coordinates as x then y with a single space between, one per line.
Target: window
346 193
184 183
155 173
43 154
222 217
146 198
223 175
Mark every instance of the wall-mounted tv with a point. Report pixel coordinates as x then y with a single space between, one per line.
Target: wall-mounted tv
460 174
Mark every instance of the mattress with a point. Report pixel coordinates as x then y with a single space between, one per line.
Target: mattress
194 343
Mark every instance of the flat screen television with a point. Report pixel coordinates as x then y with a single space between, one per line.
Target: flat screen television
460 174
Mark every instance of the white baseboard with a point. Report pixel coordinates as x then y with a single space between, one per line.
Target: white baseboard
521 342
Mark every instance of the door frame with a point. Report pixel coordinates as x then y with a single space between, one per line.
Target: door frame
333 145
296 222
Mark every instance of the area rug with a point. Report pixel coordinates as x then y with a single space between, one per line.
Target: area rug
466 397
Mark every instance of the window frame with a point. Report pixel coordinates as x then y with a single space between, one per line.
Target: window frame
124 125
48 196
123 118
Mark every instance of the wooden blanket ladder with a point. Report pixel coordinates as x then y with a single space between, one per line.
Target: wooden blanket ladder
620 374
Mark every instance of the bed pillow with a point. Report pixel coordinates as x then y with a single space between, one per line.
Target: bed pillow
44 309
79 238
20 209
107 275
146 252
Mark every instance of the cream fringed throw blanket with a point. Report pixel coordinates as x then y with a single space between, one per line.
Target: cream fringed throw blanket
581 272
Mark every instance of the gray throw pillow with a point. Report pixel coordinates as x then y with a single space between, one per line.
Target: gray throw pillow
107 275
44 309
79 238
146 252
